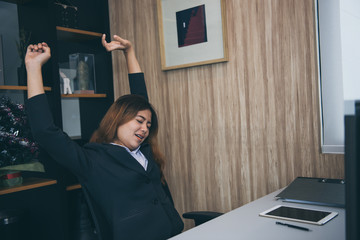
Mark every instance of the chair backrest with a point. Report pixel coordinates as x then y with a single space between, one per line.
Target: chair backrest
83 226
201 217
101 225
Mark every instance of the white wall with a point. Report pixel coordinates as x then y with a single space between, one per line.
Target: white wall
350 45
339 48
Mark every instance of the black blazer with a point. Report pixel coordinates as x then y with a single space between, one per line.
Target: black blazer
126 201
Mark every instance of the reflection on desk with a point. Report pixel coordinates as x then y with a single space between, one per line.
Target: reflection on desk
245 223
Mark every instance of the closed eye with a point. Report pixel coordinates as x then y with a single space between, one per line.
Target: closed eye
141 120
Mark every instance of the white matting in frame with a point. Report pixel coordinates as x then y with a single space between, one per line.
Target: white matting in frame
213 46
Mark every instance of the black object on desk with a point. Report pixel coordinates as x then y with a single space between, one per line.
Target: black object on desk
317 191
293 226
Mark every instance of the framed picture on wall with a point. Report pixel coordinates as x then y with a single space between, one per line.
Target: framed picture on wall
192 32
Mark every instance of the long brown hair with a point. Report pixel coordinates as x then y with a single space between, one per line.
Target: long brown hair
123 110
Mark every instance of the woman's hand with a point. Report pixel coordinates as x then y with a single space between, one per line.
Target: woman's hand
37 55
117 44
125 45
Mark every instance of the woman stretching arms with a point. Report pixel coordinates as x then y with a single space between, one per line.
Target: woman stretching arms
120 170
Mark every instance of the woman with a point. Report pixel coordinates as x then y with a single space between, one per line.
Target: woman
121 169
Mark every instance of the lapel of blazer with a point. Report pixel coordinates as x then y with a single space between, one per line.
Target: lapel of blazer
146 150
124 158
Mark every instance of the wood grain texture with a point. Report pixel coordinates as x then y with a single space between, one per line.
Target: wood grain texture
233 132
28 183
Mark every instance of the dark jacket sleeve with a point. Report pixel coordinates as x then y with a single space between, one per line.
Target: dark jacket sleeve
137 84
54 141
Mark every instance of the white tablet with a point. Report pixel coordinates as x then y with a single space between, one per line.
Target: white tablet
304 215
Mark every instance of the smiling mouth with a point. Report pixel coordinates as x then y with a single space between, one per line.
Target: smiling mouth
139 136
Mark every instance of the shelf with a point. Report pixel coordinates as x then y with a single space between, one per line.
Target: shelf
28 183
73 187
93 95
8 87
76 34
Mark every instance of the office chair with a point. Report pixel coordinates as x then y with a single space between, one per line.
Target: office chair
201 217
99 226
93 214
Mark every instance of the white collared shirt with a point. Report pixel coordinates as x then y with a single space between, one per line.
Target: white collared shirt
137 154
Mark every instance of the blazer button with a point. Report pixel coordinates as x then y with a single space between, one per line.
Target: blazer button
148 180
155 201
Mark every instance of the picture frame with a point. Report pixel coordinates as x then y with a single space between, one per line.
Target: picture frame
191 33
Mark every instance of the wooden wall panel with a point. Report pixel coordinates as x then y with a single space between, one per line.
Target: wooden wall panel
235 131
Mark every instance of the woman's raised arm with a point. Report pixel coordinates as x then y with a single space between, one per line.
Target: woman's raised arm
119 43
36 56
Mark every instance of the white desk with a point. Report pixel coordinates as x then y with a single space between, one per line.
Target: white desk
245 223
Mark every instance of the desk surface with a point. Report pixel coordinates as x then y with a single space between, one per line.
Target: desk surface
245 223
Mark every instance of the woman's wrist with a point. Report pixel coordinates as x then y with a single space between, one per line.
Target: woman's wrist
128 51
34 66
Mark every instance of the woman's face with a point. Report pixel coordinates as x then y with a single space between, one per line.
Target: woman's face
133 133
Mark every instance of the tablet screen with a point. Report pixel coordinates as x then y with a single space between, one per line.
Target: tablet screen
299 214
